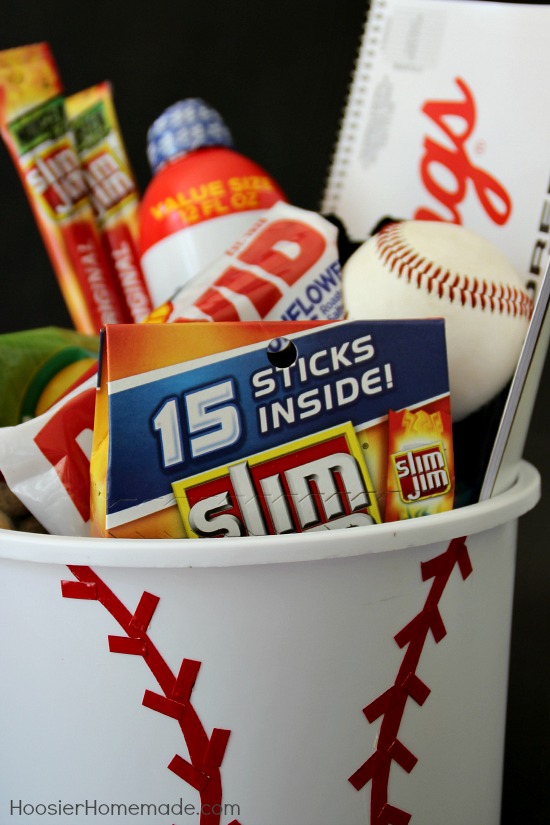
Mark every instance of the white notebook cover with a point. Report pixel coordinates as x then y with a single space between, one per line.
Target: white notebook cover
448 117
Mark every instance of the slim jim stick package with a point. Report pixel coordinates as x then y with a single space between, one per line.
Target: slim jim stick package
34 126
113 190
255 428
420 464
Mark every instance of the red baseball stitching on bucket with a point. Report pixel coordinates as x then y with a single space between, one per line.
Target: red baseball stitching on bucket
405 262
206 754
390 705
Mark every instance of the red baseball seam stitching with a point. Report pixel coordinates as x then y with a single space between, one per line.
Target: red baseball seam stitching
390 705
206 754
407 263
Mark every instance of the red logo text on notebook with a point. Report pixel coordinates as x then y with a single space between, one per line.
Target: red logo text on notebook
446 167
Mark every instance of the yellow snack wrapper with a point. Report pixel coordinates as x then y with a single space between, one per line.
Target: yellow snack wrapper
113 190
38 366
34 125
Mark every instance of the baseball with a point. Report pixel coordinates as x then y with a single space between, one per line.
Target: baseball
421 269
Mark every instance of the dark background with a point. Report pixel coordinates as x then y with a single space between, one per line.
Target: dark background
278 72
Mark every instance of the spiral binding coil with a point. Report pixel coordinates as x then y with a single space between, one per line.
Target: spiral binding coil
348 128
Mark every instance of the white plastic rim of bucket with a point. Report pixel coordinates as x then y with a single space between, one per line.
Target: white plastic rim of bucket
521 497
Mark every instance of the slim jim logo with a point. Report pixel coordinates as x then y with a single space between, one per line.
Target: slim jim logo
422 473
109 184
320 482
57 177
447 169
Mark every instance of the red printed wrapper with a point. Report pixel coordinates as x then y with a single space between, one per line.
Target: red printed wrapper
284 268
35 129
46 461
420 462
113 190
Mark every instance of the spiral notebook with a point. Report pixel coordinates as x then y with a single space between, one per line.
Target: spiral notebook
447 118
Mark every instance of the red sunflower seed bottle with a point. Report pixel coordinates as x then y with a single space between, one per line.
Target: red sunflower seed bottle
202 197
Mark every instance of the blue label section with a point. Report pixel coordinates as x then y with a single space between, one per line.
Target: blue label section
207 417
321 298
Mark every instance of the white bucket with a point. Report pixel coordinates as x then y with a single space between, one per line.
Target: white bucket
294 638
